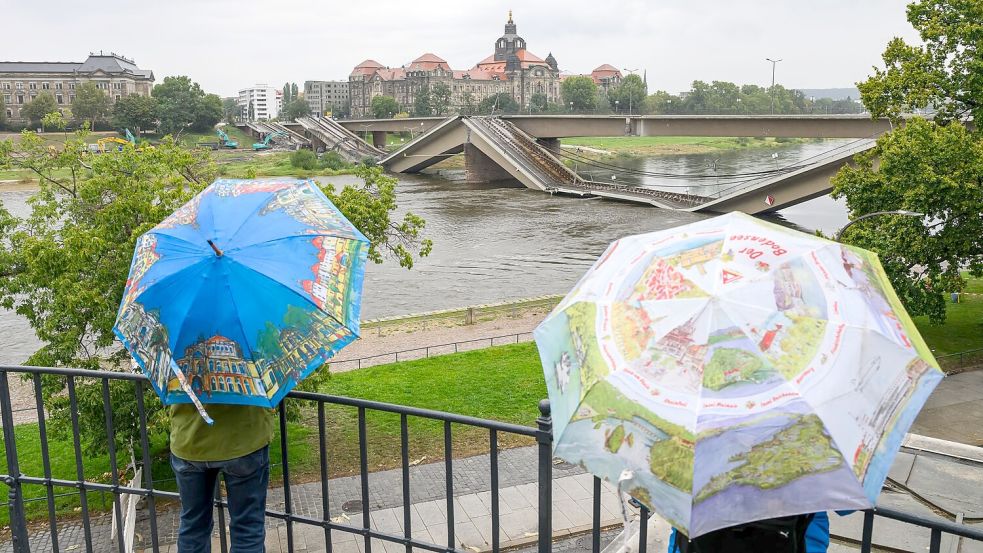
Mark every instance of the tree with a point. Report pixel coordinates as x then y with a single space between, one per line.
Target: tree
422 104
286 94
3 113
384 107
184 105
629 95
503 102
293 92
295 109
64 266
944 73
538 103
36 109
468 106
932 167
135 112
91 104
579 94
230 110
927 168
659 102
440 99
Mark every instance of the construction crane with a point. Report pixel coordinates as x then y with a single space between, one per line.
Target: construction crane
265 144
226 141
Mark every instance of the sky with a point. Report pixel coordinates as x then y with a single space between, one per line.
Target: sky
226 45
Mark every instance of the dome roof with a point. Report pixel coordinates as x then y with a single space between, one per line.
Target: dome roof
429 58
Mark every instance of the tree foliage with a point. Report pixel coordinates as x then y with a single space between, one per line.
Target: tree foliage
136 112
296 108
36 109
185 106
384 107
91 104
230 110
928 168
422 104
579 94
503 102
440 99
629 95
63 267
932 167
3 113
944 73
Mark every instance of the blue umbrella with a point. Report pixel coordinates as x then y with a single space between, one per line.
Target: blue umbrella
243 292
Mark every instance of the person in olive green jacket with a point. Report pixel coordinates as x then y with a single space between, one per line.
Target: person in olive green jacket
237 445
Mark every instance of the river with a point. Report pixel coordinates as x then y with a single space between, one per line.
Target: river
494 243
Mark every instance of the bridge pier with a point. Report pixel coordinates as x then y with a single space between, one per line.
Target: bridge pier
379 139
551 144
478 167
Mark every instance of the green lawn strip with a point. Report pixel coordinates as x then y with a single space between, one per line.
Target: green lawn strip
503 383
656 145
963 328
240 165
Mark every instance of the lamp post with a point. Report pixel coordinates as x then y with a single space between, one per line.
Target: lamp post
773 64
617 106
905 212
630 72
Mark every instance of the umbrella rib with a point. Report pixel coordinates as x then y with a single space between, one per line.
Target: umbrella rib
231 239
242 328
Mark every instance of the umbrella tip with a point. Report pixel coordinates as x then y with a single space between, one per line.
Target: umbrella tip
218 252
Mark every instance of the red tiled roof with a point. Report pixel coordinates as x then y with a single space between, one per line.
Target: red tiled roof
428 62
607 67
367 67
526 60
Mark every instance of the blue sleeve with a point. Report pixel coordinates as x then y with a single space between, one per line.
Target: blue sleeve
817 534
672 541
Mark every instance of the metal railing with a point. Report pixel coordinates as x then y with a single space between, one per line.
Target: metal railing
961 359
425 352
16 480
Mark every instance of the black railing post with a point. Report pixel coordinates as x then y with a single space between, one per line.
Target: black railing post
544 436
15 498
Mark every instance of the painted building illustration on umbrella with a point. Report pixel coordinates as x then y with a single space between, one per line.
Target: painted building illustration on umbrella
148 341
300 348
216 365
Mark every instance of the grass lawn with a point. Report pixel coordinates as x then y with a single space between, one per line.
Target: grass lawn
661 145
963 329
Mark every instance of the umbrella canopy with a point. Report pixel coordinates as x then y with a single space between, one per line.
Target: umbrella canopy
737 370
243 292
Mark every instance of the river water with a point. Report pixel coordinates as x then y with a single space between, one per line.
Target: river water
494 243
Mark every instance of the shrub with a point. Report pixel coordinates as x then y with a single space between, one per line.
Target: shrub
304 159
333 160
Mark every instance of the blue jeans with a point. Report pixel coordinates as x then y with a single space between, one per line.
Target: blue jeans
246 479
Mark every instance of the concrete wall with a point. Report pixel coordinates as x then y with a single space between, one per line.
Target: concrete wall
478 167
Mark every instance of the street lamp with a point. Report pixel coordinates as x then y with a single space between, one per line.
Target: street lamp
630 72
571 107
773 64
617 104
839 233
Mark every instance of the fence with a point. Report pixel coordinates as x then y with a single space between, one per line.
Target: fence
952 362
16 480
427 351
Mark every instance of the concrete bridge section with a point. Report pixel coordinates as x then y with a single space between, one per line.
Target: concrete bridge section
286 137
565 126
326 133
502 148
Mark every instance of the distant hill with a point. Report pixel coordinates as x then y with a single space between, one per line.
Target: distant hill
832 93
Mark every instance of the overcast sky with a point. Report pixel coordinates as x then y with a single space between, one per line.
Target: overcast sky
229 44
